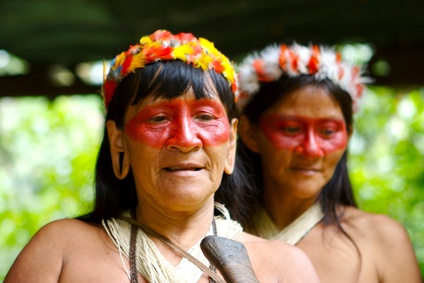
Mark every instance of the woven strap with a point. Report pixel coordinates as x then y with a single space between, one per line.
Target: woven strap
133 255
174 247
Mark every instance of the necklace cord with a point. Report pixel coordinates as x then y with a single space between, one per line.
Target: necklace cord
174 247
132 254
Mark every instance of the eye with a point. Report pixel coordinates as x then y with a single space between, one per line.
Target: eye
205 117
327 132
158 119
329 129
291 130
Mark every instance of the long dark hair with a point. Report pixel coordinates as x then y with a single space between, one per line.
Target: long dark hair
166 79
338 191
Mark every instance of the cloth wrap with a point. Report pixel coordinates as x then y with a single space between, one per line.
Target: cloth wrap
150 262
264 227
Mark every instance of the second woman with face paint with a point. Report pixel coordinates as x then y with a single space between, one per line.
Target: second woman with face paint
297 107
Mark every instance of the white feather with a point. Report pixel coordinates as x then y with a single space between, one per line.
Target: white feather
340 73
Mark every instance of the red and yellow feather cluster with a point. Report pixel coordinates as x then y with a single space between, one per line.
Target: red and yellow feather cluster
165 46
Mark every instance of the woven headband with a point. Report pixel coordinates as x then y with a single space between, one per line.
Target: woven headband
295 60
165 46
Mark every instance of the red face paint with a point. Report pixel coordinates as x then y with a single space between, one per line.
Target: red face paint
180 122
311 137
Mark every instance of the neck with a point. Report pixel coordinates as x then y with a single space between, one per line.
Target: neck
184 227
284 209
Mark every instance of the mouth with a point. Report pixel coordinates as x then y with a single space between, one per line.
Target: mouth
178 169
184 167
306 169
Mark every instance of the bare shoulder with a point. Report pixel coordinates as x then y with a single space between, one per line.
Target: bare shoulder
378 228
64 226
60 235
384 244
45 254
56 235
277 260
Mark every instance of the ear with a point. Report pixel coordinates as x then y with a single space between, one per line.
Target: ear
231 154
120 160
248 134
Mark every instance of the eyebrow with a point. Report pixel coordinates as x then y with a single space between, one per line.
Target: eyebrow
300 117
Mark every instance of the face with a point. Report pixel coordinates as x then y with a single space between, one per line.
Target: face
178 149
300 140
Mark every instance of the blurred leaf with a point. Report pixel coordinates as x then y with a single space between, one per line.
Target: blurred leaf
47 156
387 156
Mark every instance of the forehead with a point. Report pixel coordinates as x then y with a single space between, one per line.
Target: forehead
169 80
309 101
189 96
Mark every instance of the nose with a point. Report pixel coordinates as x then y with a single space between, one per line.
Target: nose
184 136
310 146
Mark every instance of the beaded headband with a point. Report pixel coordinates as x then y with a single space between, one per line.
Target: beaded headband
318 61
165 46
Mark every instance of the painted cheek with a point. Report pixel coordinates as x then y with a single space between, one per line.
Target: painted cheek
214 135
141 130
337 142
271 127
214 130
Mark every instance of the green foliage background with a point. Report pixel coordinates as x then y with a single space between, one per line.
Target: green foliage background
47 156
48 150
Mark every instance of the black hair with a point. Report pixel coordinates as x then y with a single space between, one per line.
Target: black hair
165 79
338 191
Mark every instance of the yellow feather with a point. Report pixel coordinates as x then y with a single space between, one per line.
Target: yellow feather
181 52
145 39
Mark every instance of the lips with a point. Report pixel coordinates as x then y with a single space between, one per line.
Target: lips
176 169
305 168
184 167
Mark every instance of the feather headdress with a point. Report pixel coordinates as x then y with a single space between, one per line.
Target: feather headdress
165 46
295 60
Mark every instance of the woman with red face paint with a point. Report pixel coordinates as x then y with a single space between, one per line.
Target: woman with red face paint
297 106
167 159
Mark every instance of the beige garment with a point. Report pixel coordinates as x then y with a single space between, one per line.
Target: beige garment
150 262
292 234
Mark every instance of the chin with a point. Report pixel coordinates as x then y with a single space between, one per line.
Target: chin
307 189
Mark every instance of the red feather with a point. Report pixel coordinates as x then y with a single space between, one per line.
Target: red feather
258 65
108 91
126 64
314 61
160 35
185 37
153 53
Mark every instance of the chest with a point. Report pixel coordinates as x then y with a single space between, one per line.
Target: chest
337 258
100 261
97 262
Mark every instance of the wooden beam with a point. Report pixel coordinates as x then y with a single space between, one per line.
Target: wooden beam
39 83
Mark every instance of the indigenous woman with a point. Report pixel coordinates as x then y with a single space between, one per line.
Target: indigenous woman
169 144
297 118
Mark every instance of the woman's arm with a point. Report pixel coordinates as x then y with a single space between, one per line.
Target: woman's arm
396 257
